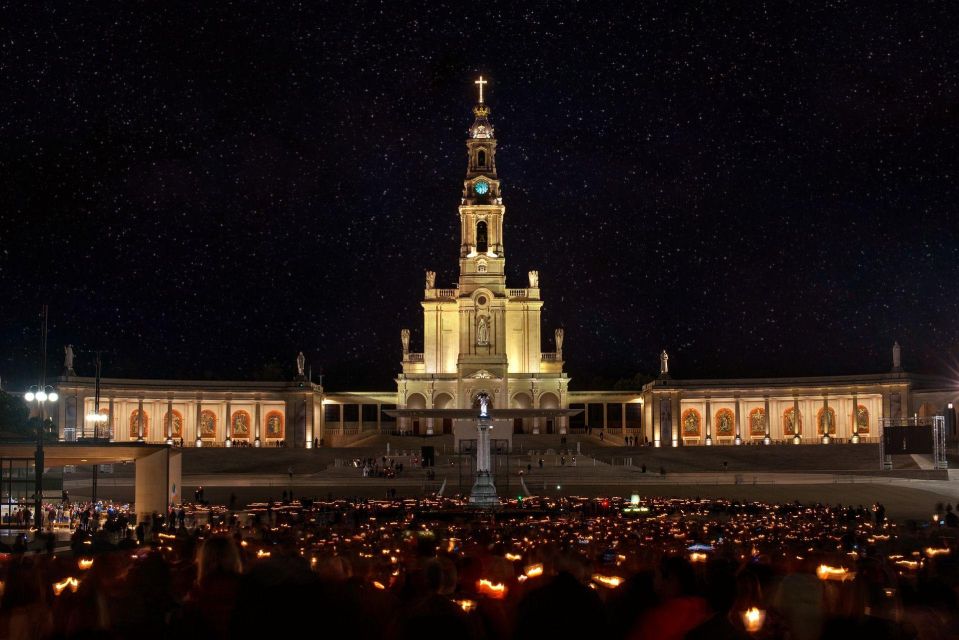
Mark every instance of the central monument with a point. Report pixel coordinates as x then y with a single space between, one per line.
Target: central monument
481 336
483 493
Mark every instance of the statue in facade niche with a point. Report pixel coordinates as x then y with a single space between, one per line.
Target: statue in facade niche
430 279
300 364
533 279
482 330
405 339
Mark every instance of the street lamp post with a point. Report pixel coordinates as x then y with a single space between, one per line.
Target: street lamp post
95 417
41 396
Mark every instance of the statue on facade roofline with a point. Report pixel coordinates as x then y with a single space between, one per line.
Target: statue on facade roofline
300 365
533 279
558 335
405 339
68 359
664 363
430 279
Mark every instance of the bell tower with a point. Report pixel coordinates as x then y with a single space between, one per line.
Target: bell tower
482 260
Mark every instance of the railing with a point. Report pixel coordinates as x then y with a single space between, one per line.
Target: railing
414 357
517 293
548 357
446 293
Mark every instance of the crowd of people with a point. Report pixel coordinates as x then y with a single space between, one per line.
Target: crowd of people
551 568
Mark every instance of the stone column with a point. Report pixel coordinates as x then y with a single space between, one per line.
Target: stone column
796 421
855 418
825 417
256 424
310 414
766 419
739 422
657 420
674 418
229 423
342 423
379 417
112 421
709 422
196 423
605 417
622 418
140 419
168 425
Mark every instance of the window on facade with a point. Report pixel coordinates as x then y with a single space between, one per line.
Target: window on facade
482 245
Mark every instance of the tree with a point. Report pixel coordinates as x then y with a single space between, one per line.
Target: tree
13 414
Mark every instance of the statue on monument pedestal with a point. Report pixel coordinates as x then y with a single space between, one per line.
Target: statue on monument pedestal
300 365
430 279
533 279
68 359
405 340
483 399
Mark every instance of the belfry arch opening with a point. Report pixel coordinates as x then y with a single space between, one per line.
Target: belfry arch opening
481 158
482 244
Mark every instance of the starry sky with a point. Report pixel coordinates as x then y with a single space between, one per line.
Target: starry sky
202 193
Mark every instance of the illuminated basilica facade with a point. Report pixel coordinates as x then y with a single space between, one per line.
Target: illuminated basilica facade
482 336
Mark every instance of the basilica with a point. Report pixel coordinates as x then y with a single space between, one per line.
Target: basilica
483 336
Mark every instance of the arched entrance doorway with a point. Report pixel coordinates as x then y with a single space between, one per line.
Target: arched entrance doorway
444 401
549 401
521 400
416 401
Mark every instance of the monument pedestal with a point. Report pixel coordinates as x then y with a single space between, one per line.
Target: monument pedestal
483 493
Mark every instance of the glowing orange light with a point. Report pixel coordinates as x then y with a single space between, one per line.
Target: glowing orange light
378 584
825 572
608 581
85 564
262 554
533 571
695 556
496 591
753 619
59 587
512 557
932 552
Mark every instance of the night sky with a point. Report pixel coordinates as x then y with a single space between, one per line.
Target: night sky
768 190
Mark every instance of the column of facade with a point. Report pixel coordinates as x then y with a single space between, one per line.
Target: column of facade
168 424
605 423
739 422
766 416
825 418
622 418
709 422
112 421
196 423
310 408
229 423
379 417
796 422
256 423
855 418
674 418
657 420
342 423
140 419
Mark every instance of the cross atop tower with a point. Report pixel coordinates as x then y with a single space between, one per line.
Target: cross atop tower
480 83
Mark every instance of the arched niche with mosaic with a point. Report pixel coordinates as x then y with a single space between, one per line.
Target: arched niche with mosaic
274 425
789 425
757 422
692 422
240 425
725 423
177 431
135 427
207 425
862 419
826 419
